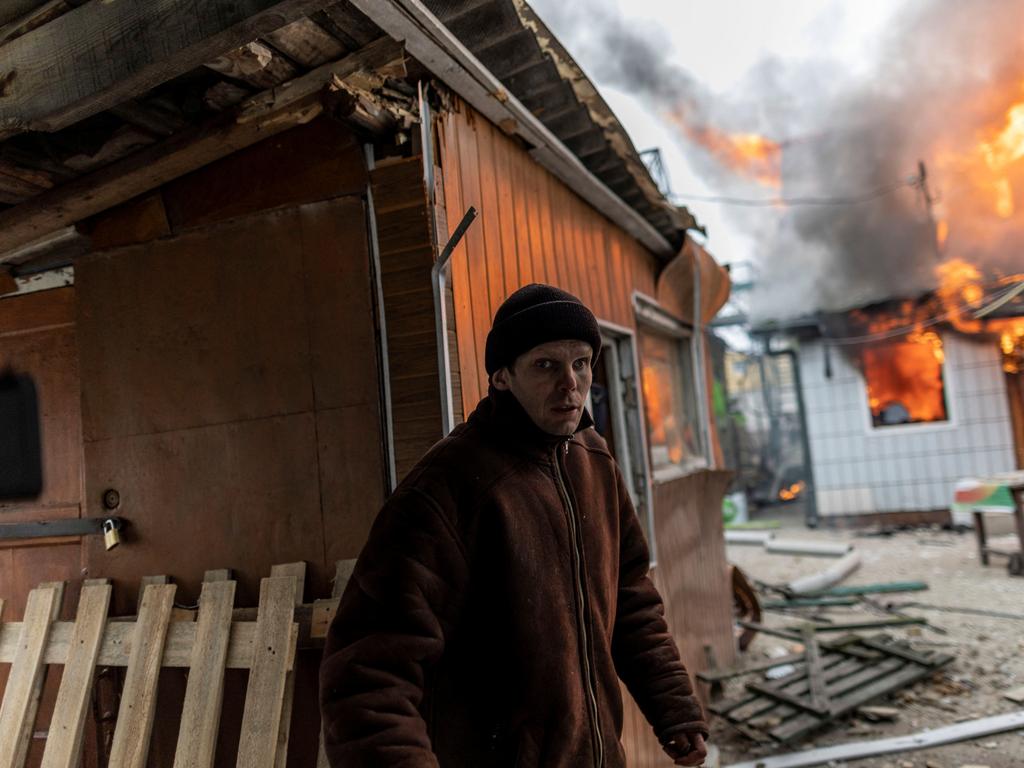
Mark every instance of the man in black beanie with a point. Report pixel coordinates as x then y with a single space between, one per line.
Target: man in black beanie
504 590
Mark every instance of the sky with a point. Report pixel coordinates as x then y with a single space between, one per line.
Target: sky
722 44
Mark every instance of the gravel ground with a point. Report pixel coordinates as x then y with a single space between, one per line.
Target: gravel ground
990 651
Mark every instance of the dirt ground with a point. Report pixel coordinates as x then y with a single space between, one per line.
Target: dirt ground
990 651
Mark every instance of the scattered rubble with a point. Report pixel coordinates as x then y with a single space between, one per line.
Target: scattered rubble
969 614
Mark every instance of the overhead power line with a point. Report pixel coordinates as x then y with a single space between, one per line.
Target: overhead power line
768 202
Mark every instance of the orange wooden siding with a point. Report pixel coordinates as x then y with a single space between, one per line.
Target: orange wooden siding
531 228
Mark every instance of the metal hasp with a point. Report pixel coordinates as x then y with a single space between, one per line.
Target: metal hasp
41 529
441 316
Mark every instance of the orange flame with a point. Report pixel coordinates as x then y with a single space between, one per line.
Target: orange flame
746 154
989 168
790 493
904 380
960 292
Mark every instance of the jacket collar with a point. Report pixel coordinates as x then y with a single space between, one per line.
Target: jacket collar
501 416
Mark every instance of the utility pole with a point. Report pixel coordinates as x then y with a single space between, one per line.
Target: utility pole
929 202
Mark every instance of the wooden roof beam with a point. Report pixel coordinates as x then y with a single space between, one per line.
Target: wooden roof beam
258 118
102 54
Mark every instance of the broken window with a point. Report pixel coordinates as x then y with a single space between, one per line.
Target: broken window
614 404
905 380
673 422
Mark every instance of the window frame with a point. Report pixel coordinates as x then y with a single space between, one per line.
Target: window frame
949 393
630 427
652 318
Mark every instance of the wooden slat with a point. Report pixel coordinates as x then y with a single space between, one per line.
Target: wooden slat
115 648
200 715
37 685
306 42
25 670
342 573
138 698
264 116
815 672
156 40
254 63
261 719
67 726
854 697
296 571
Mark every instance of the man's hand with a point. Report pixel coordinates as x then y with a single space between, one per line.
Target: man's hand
687 749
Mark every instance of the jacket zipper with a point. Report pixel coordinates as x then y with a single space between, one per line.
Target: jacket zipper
577 542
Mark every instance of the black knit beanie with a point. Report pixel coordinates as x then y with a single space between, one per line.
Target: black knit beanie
536 314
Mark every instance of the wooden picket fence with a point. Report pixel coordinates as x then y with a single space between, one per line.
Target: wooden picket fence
213 642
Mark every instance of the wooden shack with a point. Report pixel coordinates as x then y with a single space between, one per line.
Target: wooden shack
219 225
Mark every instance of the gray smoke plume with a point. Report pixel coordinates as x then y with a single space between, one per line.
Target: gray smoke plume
853 139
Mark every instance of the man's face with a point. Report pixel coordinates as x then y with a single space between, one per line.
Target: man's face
551 382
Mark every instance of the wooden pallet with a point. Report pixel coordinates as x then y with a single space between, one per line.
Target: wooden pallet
159 636
831 681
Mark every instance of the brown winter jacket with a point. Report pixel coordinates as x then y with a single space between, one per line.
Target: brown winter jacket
502 592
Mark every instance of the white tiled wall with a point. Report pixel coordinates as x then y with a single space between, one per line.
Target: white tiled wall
858 469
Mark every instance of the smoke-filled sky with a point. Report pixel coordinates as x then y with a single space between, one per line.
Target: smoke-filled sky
855 93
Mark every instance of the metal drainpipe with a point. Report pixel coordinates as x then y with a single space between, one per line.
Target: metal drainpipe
811 495
701 363
439 278
437 272
384 368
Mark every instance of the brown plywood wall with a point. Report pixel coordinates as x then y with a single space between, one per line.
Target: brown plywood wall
531 228
229 394
693 578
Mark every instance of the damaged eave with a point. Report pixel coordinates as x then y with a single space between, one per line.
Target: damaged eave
102 53
360 77
453 61
602 116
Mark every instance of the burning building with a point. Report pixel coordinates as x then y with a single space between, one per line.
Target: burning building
903 399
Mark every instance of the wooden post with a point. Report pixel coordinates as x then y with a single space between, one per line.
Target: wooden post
296 571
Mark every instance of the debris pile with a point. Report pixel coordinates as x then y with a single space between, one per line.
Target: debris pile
866 664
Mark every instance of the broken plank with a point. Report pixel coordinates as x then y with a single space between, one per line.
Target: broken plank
797 702
810 602
786 634
200 715
175 156
115 648
903 653
380 54
727 674
896 621
815 673
26 668
156 40
306 42
343 570
138 698
842 678
873 589
253 63
37 688
297 571
67 725
924 740
873 686
261 718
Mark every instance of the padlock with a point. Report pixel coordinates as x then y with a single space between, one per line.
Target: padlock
111 533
